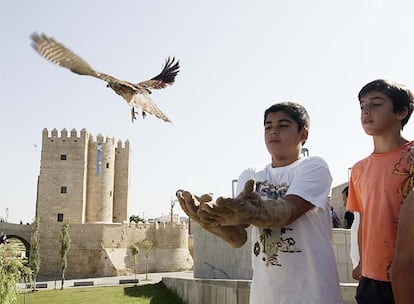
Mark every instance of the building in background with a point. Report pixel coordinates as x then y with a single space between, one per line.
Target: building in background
83 179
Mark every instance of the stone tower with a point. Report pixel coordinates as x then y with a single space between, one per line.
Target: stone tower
82 179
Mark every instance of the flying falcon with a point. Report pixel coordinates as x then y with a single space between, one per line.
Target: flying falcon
137 95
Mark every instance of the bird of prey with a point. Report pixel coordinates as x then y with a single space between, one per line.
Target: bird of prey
137 95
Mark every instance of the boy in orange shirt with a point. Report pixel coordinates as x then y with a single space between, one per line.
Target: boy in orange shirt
379 185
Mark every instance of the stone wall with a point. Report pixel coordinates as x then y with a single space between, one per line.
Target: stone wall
215 259
99 250
341 242
204 291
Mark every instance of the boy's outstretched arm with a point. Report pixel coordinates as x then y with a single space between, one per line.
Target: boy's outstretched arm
235 236
248 208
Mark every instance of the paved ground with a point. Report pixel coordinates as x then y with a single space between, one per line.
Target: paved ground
153 278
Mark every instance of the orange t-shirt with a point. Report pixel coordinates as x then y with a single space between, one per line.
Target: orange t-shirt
377 188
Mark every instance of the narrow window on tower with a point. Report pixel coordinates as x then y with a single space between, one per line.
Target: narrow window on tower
107 165
63 189
60 217
63 157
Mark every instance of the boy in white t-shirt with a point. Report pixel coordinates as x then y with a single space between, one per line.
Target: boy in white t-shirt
286 202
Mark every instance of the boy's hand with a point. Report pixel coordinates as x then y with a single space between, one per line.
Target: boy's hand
192 203
229 211
236 236
356 272
249 193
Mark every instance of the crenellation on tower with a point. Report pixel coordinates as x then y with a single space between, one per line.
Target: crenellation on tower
84 136
64 133
99 138
110 140
122 145
45 133
54 133
73 133
119 145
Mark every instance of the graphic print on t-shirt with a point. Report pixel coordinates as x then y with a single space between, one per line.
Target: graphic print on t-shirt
404 167
273 240
407 157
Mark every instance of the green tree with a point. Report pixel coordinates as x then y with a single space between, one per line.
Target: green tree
35 259
136 219
12 271
64 249
135 252
148 247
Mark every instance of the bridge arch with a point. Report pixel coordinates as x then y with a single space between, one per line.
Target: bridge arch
23 240
18 231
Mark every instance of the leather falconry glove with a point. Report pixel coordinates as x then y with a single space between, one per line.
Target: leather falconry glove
236 236
248 208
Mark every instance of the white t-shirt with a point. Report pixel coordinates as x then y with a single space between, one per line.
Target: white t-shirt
299 263
354 250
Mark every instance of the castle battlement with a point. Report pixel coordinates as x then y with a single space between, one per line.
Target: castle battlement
100 139
62 136
157 226
121 147
54 134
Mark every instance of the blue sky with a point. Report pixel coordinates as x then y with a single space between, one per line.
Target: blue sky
237 58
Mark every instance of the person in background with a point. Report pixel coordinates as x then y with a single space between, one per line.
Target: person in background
379 184
354 249
349 215
336 222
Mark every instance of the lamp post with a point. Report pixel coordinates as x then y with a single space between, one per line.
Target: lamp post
172 203
305 152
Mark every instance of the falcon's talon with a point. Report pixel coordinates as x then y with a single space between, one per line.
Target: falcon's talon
133 114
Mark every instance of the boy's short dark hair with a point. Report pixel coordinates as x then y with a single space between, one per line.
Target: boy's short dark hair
296 111
400 95
346 190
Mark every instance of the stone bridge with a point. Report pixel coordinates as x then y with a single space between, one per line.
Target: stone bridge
18 231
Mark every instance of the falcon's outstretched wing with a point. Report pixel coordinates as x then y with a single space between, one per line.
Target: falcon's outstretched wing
57 53
166 77
60 55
